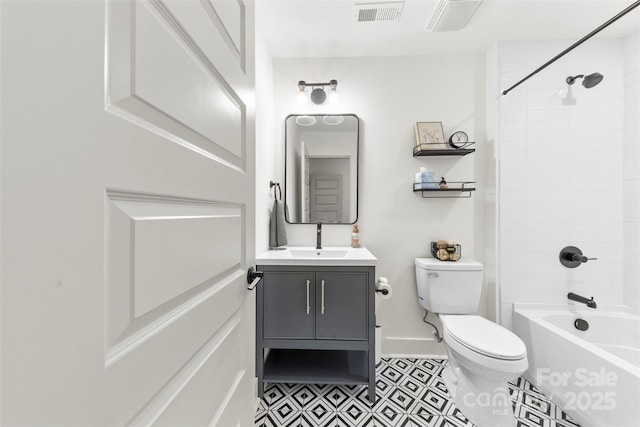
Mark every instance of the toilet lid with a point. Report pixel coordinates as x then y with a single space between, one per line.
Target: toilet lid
485 337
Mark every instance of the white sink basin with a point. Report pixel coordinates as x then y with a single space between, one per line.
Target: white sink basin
309 255
318 253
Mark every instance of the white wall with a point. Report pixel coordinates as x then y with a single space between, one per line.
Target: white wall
561 174
631 178
390 95
491 108
265 143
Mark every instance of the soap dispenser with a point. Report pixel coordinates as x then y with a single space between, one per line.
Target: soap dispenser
355 237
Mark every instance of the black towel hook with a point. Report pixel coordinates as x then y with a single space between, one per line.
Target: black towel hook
271 185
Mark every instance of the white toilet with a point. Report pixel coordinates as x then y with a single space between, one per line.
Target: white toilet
483 356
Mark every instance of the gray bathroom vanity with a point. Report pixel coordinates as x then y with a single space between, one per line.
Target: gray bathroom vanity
315 317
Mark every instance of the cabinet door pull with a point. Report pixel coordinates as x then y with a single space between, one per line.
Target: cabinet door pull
308 306
322 308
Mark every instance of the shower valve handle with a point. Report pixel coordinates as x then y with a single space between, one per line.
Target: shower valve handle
581 258
572 257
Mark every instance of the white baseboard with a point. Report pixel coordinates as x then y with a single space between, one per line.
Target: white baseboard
415 348
414 356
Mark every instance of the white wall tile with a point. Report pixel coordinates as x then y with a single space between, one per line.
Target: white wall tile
573 159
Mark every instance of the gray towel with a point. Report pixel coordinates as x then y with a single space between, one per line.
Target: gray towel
277 231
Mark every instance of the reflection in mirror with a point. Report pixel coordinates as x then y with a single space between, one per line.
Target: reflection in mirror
321 168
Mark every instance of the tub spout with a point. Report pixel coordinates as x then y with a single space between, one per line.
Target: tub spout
579 298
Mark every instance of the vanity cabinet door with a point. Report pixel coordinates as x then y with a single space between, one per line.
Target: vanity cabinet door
341 306
289 301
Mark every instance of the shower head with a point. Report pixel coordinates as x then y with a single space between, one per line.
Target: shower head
587 81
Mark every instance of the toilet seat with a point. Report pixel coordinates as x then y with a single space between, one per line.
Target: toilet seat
484 337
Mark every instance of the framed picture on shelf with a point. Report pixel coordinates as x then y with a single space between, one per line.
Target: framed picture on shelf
430 135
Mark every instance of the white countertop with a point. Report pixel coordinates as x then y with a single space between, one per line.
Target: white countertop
309 255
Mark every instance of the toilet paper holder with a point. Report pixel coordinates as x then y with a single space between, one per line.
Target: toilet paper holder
382 286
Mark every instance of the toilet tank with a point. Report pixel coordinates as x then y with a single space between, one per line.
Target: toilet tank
449 287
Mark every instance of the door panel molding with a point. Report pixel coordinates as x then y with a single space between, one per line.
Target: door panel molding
166 71
183 384
87 340
231 23
136 306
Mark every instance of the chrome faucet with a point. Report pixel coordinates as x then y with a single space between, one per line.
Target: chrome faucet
579 298
319 236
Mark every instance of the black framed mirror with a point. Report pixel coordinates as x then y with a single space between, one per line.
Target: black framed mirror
321 168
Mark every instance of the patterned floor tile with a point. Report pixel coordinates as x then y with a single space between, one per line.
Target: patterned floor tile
436 383
391 419
432 402
358 402
515 394
317 419
393 403
412 387
530 417
418 375
259 419
272 394
384 386
337 396
354 419
274 419
390 373
433 366
262 407
402 365
426 420
303 396
422 407
320 405
565 421
456 422
403 398
285 406
409 393
453 413
538 403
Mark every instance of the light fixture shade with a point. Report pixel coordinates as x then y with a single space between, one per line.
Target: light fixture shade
318 96
333 91
332 120
306 120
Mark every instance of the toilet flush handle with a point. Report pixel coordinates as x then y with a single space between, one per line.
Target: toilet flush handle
433 274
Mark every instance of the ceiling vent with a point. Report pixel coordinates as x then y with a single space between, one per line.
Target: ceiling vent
452 15
378 12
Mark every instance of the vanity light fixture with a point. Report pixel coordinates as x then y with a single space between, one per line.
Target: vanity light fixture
317 95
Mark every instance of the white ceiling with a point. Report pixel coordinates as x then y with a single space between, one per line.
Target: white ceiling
327 28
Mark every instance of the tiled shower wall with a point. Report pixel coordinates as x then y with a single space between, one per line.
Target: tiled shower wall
631 176
561 174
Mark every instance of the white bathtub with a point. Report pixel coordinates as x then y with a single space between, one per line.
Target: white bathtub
592 375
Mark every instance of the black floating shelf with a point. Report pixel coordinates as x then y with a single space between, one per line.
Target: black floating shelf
441 149
455 189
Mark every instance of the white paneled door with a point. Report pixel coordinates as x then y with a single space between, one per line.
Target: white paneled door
127 190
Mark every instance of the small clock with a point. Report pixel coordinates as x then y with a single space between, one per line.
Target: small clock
458 139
